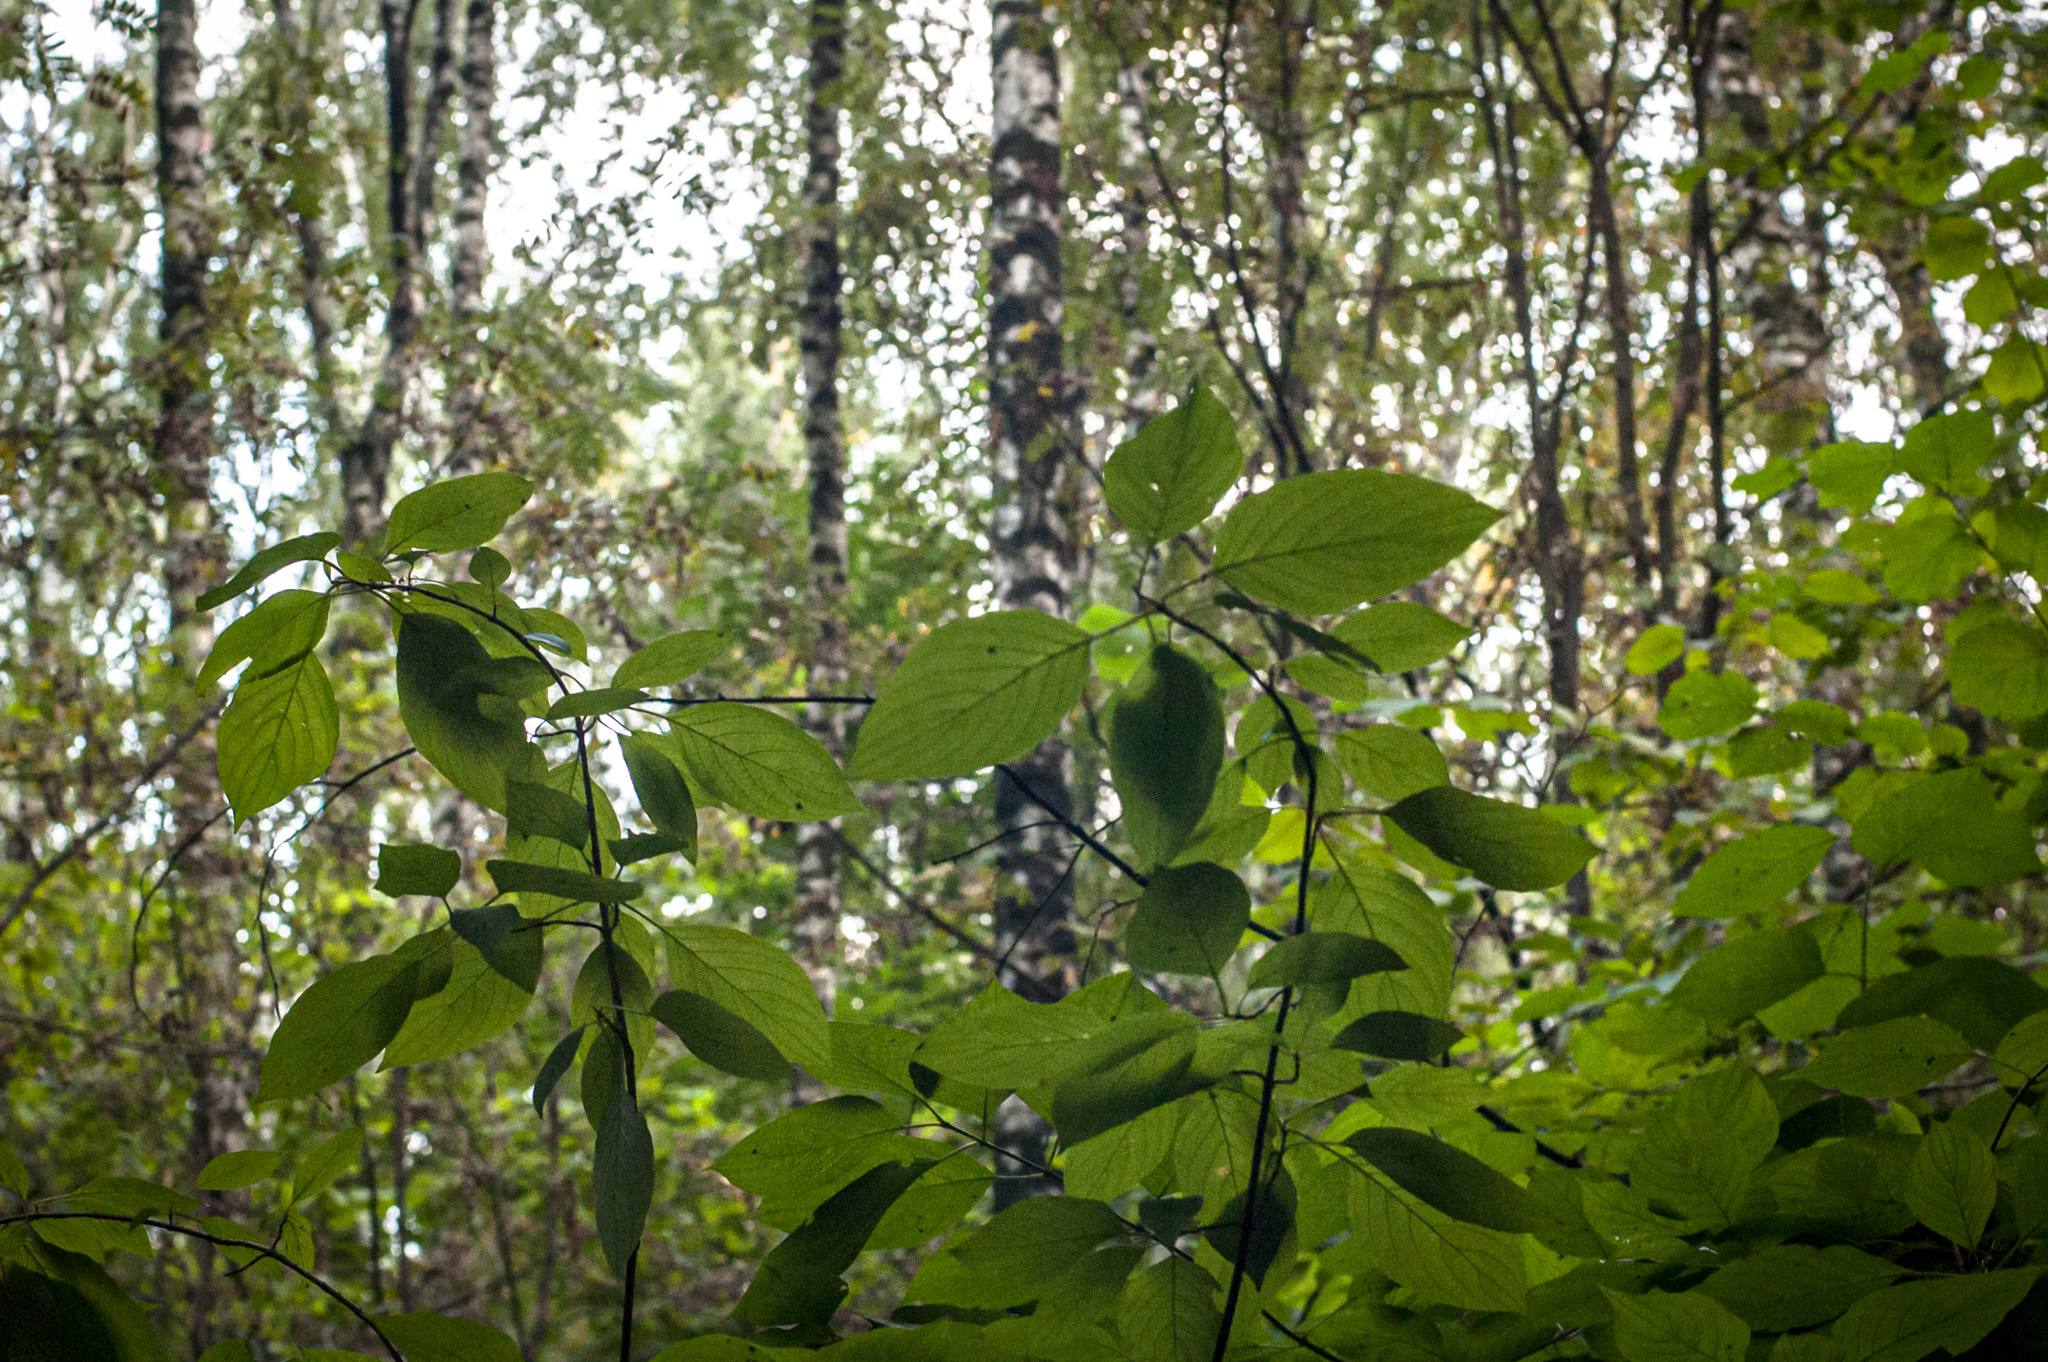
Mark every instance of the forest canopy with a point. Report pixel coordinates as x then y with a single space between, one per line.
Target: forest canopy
1130 681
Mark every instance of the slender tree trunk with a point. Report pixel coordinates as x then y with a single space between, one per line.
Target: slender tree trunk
1292 266
1685 399
184 460
470 261
1142 400
1621 336
366 459
303 205
817 871
1034 531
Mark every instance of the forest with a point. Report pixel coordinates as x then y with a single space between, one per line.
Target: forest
982 680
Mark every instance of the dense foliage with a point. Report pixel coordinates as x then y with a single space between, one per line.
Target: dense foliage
1455 773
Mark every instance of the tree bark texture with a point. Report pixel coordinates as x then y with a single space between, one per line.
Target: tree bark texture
1034 540
1142 399
469 262
817 870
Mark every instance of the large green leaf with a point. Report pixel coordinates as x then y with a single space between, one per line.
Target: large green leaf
1324 542
1505 845
1850 473
1979 996
1393 1034
1953 1183
578 886
1747 975
1402 636
754 981
756 761
1390 761
1700 1151
1905 1323
1169 1313
622 1181
799 1282
666 661
1951 824
1689 1327
425 1337
1441 1260
281 629
1446 1177
455 713
1019 1251
1391 908
1890 1059
234 1171
1754 872
2001 668
664 794
1796 1286
1318 957
1188 921
483 999
306 548
1165 752
461 513
337 1026
57 1306
1170 475
278 733
719 1038
976 692
1703 703
1945 451
417 869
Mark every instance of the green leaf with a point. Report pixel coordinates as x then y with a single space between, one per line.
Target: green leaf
720 1348
1990 300
517 877
1188 921
485 996
443 674
667 661
1392 761
57 1306
557 633
590 999
304 549
1505 845
1766 749
1447 1178
1440 1260
1133 1066
584 704
1322 958
337 1026
1905 1323
1402 636
754 981
799 1282
2001 668
1023 1247
1000 1041
758 762
974 693
1955 247
415 868
231 1350
536 810
1168 1313
242 1168
462 513
2023 1051
1272 1223
1890 1059
426 1337
1927 558
279 732
1324 542
1165 752
1747 975
1953 1183
1795 1286
936 1202
1699 1152
1703 703
1950 824
1850 473
1657 648
490 567
622 1185
663 793
1945 452
1170 475
1661 1327
1398 1035
645 846
554 1066
719 1038
1755 872
2018 371
13 1173
1774 477
324 1167
281 629
1981 997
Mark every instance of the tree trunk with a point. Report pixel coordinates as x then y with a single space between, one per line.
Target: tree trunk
183 449
1033 534
1292 267
817 871
303 204
366 459
470 263
1141 346
1621 336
